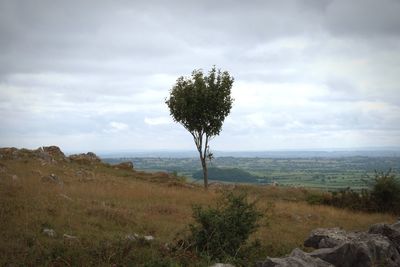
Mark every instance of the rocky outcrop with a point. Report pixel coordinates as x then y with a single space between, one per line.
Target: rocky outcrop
297 258
88 158
124 166
46 154
380 246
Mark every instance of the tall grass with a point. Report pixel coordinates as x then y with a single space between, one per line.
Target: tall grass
101 206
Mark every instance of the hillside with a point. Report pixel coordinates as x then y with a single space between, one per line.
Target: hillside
234 175
78 211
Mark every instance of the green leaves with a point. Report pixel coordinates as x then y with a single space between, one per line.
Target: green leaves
202 102
222 232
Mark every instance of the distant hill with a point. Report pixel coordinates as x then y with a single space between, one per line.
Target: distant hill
230 175
322 153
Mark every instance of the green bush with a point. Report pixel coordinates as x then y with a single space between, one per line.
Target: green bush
382 196
315 198
221 233
386 192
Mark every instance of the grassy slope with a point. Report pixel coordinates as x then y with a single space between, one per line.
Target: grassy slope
101 205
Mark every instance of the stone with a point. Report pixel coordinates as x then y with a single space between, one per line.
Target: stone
363 250
124 166
52 178
386 230
130 237
66 197
70 237
297 258
327 238
53 151
222 265
49 232
88 158
148 237
396 225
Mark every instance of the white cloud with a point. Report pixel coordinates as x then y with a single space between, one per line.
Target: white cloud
158 121
115 126
307 73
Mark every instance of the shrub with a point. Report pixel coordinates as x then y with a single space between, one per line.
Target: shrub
383 196
220 233
386 192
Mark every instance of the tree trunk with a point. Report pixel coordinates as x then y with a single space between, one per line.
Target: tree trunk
205 171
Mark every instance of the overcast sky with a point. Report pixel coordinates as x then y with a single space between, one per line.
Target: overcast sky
93 75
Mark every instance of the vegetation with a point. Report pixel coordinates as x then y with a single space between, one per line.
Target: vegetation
103 207
230 175
382 196
201 103
327 173
221 233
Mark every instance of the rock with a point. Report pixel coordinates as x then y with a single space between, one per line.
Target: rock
88 158
53 151
49 232
85 176
70 237
148 237
3 168
297 258
222 265
66 197
380 246
362 251
52 178
8 153
327 238
46 154
387 230
124 166
396 225
14 177
131 237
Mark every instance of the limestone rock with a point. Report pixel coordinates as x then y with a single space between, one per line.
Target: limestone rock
49 232
327 238
386 230
52 178
88 158
222 265
297 258
124 166
363 251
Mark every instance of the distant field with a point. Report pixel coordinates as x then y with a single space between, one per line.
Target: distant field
327 173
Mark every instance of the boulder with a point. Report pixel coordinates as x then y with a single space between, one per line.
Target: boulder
52 178
53 151
328 238
297 258
88 158
362 251
387 230
49 232
396 225
8 153
124 166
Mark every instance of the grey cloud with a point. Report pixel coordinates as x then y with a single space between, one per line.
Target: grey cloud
76 66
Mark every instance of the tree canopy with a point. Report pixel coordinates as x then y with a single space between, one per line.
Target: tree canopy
201 103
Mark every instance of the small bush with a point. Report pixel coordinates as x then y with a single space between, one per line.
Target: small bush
315 198
221 233
383 196
386 192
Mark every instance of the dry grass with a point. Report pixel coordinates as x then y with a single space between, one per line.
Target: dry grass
97 203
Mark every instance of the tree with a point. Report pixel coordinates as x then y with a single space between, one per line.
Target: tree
201 103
